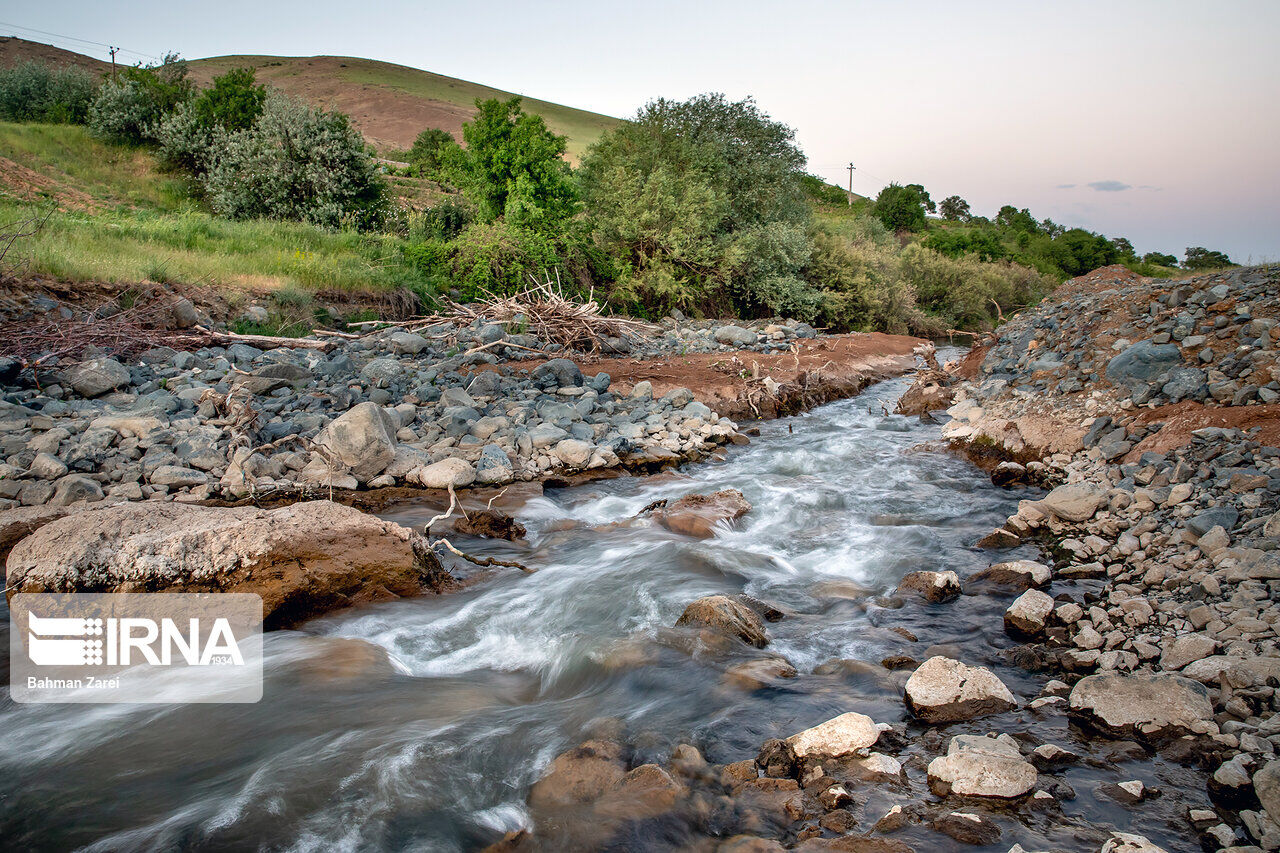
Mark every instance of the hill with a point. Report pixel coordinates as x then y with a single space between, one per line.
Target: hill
390 104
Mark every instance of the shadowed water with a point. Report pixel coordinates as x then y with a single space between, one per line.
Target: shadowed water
430 739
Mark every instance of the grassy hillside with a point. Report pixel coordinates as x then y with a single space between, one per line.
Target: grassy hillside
115 215
392 104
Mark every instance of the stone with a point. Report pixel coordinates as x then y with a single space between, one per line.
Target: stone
177 476
931 586
303 559
573 453
1142 362
724 614
697 515
493 466
1019 574
73 488
407 343
579 776
968 828
1127 842
1221 516
1074 502
1266 785
449 472
759 673
735 336
20 522
363 439
1028 613
47 467
1153 706
1187 649
183 313
977 766
96 377
942 690
560 371
848 734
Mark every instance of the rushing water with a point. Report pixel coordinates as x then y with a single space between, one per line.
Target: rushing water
429 738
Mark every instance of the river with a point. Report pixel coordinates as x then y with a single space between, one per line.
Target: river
434 744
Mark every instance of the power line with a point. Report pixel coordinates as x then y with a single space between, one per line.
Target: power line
74 38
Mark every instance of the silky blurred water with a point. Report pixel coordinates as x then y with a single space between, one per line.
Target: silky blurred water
420 724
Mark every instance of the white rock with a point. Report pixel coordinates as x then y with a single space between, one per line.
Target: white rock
943 690
1028 613
443 474
847 734
976 766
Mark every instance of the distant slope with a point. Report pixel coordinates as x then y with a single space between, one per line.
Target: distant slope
392 104
16 51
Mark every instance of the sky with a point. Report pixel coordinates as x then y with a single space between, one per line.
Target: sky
1158 121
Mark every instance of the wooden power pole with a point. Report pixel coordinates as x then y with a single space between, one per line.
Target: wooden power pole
851 168
113 73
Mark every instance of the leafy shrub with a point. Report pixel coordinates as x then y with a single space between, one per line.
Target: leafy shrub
184 141
499 257
954 209
297 163
1160 259
431 152
822 192
965 291
901 208
130 110
861 287
233 102
38 92
443 222
984 244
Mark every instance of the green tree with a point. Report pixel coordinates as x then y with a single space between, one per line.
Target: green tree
702 203
955 209
514 167
1200 258
1017 220
929 206
233 102
1079 251
431 151
1123 249
1160 259
901 208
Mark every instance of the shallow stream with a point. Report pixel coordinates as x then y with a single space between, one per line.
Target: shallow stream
434 744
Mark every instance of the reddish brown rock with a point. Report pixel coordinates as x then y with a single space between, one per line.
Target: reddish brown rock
697 515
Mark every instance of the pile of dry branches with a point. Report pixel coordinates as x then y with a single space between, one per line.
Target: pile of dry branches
546 312
34 341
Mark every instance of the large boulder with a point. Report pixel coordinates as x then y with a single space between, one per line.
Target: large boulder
303 559
1140 364
735 336
561 372
1154 706
942 690
580 775
847 734
977 766
697 515
1074 502
1266 784
20 522
1128 842
363 439
728 616
451 472
97 377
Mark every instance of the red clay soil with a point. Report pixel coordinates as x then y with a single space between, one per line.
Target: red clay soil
823 369
1181 419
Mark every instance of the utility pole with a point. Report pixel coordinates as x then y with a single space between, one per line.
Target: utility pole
851 168
113 77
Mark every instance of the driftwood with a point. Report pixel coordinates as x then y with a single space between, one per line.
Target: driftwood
547 312
264 341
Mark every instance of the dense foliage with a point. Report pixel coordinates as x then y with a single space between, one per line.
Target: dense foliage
513 167
36 92
131 108
432 151
300 163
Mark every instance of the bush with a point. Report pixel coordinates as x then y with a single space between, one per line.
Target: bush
861 286
232 103
498 257
431 152
1200 258
297 163
901 208
964 291
185 142
37 92
131 109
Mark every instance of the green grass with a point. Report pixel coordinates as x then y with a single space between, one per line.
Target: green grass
76 163
194 247
582 127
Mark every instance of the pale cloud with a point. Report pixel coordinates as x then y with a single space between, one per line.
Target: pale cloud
1066 186
1109 186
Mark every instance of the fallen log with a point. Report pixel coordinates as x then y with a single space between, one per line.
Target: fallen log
264 341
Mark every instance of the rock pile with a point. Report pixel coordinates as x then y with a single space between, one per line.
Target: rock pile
1154 405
